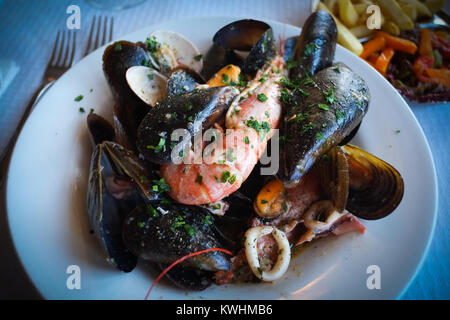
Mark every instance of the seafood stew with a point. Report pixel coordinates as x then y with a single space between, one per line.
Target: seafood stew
177 196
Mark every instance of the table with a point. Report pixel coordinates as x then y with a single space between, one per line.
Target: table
27 32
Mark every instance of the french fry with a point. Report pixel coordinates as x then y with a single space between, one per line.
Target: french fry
396 14
362 31
410 10
345 37
421 9
332 5
391 28
360 8
347 13
435 5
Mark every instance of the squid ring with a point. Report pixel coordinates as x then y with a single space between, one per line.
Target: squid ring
284 252
321 208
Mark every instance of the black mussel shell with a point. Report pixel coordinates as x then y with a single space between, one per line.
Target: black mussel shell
289 47
182 80
316 46
263 51
129 109
100 129
195 112
164 233
314 125
376 187
188 278
218 57
240 35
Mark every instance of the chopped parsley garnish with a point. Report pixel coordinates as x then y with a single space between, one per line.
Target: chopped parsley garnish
329 96
285 96
232 179
397 131
191 119
81 110
310 48
118 47
267 114
152 44
319 136
225 78
178 222
262 97
263 128
323 106
242 80
189 229
264 201
264 78
199 179
79 98
217 206
91 111
217 179
339 114
207 220
225 176
160 186
292 64
140 224
199 57
151 211
246 140
150 76
161 146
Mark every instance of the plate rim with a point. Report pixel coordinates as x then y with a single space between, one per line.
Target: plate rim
430 238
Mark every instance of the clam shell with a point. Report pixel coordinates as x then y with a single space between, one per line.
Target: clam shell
147 84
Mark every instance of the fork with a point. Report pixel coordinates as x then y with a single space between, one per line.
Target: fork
101 36
60 61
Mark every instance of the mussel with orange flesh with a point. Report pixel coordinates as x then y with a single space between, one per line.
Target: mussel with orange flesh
271 201
253 36
376 187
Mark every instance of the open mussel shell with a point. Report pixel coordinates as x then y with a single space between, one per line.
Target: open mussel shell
376 188
164 233
173 50
182 80
218 57
289 47
100 129
118 182
188 278
129 109
253 36
195 112
111 195
263 51
148 84
334 177
240 35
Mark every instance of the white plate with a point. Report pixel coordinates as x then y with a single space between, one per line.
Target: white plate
48 177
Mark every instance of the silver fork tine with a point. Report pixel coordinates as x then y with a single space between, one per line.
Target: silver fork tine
66 50
97 37
74 40
111 29
54 47
105 23
91 33
61 49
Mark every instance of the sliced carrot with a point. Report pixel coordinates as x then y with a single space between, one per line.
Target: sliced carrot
384 59
441 75
398 43
374 45
425 46
373 58
227 74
